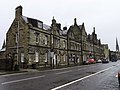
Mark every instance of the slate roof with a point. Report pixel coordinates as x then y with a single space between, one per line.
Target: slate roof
34 22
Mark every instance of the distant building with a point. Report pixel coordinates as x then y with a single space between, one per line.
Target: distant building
106 51
95 49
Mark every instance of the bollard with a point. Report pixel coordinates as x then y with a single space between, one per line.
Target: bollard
119 78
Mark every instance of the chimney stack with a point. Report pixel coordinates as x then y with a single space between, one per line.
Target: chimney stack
75 21
59 25
18 11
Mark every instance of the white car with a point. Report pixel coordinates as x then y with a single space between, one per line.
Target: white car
99 61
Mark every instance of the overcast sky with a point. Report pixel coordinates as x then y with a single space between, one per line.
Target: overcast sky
102 14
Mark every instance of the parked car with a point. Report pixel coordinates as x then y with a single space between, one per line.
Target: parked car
99 61
105 61
91 61
114 60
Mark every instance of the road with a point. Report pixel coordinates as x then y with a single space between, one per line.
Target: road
86 77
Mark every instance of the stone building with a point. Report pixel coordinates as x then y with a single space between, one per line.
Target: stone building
95 47
106 51
27 40
2 51
74 35
31 42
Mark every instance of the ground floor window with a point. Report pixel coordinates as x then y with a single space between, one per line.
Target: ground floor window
36 57
58 58
64 57
46 57
22 57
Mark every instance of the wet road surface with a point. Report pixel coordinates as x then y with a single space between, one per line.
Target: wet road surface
86 77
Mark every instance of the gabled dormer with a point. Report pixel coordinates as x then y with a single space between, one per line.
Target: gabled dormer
84 34
74 32
94 36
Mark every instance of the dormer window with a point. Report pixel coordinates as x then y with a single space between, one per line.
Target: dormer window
40 25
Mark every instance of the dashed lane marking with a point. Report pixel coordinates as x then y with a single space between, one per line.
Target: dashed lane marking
81 69
12 74
64 72
22 80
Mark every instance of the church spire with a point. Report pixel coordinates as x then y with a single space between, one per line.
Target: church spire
117 46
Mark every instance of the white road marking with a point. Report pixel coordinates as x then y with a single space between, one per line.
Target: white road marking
81 69
22 80
56 88
12 74
64 72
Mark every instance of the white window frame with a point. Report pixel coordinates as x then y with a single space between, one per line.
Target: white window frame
36 56
22 57
46 39
64 57
52 40
46 57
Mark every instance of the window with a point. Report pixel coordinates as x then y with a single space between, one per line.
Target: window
22 57
80 47
58 58
40 25
64 44
57 42
37 37
16 37
46 57
46 39
52 40
64 57
36 56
